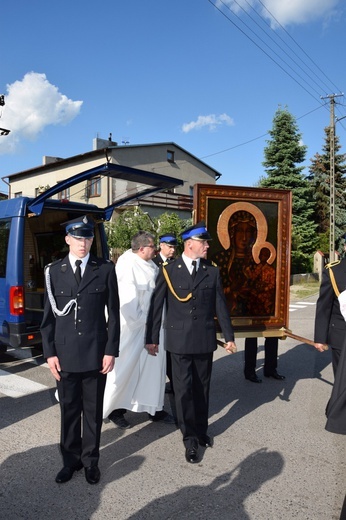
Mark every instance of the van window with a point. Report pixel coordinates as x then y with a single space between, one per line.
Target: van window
5 226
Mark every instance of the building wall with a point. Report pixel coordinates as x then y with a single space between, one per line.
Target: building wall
151 158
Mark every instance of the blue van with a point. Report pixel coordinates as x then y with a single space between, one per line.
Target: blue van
31 236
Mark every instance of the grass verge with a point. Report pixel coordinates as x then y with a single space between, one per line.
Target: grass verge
301 291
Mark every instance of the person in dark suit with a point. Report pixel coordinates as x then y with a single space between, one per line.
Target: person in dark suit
270 359
330 325
167 245
80 345
192 290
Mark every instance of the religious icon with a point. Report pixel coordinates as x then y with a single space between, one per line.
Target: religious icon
251 244
245 260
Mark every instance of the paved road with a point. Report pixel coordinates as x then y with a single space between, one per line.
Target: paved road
272 458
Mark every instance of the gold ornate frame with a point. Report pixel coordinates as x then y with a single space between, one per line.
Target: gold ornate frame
271 212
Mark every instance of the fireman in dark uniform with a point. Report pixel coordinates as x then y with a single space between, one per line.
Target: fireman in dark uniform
80 344
167 246
192 290
330 325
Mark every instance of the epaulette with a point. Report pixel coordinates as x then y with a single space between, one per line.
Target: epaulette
208 262
170 262
53 263
332 264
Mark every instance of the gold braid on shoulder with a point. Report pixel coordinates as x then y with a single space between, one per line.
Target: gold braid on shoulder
331 264
170 286
332 279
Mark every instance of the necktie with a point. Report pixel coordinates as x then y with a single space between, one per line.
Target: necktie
78 271
194 271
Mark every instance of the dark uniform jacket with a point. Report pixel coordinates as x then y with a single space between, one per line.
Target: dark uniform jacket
158 260
330 326
190 326
336 407
81 343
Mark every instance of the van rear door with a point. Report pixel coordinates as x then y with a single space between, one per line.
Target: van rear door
32 236
135 185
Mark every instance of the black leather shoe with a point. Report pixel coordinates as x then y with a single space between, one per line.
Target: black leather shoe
191 455
275 375
92 474
66 473
162 416
253 378
206 441
119 421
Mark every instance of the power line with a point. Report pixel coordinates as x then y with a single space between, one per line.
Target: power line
299 46
311 86
277 35
265 31
257 138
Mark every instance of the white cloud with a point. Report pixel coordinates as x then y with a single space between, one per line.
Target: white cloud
30 105
286 11
298 11
211 121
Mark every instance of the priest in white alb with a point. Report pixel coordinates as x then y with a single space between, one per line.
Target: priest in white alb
137 382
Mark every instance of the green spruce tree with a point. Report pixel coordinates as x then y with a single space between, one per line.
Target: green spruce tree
282 155
319 178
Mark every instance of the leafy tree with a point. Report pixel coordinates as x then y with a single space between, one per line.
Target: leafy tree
172 223
125 226
129 222
319 178
282 155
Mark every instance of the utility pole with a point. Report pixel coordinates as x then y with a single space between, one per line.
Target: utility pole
332 97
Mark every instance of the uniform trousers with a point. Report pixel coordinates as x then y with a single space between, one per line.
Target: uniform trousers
169 369
191 382
336 354
81 405
270 356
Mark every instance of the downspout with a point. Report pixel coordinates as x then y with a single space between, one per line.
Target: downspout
8 184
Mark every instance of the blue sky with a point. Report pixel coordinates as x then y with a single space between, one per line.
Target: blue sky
154 71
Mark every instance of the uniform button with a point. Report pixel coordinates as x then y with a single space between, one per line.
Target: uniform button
79 333
79 321
193 297
193 308
195 317
79 307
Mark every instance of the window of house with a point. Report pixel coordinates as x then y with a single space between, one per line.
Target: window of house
64 194
94 187
18 194
170 156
